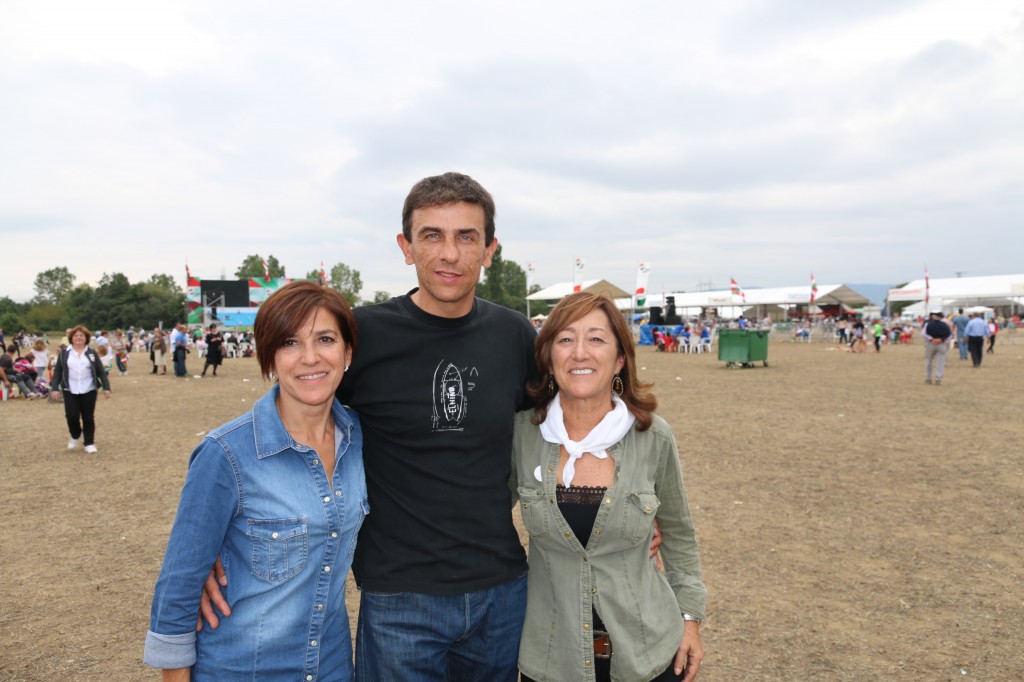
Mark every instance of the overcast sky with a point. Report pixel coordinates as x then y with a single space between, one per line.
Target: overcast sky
755 139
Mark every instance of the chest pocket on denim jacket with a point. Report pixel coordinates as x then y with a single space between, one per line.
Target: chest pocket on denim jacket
280 547
535 514
639 516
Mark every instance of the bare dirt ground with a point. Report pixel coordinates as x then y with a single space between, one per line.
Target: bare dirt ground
856 524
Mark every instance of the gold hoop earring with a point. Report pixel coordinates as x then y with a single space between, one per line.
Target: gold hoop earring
617 386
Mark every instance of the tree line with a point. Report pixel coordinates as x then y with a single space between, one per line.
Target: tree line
116 303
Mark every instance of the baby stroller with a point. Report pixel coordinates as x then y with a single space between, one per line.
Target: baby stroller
42 387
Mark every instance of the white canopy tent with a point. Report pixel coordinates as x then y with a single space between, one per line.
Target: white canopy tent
757 301
963 292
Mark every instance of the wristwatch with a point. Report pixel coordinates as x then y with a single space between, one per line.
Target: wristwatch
695 619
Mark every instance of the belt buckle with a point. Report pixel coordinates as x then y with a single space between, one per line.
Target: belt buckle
602 645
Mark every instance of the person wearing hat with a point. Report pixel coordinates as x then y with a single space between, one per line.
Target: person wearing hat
936 335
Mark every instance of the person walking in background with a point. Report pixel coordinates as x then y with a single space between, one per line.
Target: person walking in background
179 346
960 325
158 349
976 331
993 329
77 376
214 350
878 333
41 358
120 352
936 335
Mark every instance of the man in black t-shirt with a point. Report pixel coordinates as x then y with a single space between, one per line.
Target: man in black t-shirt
437 381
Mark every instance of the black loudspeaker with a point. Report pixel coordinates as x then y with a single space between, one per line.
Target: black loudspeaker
671 318
656 315
670 302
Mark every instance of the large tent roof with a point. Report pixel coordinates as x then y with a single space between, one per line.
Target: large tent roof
828 294
996 289
560 290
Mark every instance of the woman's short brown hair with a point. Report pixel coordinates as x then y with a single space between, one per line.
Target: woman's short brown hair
284 310
79 328
637 396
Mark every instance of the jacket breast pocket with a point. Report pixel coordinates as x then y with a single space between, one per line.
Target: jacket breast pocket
639 516
280 547
533 506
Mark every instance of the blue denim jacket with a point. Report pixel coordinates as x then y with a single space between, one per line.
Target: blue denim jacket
263 504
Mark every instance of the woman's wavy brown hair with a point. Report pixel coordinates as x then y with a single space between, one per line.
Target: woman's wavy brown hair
636 394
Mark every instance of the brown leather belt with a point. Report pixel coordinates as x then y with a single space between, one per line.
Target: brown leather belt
602 645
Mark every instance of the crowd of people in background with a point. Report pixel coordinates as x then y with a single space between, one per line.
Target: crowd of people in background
27 360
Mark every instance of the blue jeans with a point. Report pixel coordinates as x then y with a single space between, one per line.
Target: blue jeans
472 637
961 343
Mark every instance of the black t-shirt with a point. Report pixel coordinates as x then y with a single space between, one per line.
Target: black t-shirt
437 397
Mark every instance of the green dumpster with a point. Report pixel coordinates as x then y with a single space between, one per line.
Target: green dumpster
743 347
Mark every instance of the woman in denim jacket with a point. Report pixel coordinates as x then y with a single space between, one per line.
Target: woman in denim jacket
278 495
594 468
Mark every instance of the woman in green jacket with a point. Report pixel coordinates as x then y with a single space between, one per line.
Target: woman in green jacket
594 467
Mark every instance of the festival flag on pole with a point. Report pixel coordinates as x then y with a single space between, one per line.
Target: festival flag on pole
529 276
736 290
814 289
188 274
643 273
323 274
577 275
266 271
927 288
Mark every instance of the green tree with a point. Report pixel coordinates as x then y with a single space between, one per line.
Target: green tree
347 282
78 308
44 317
165 282
504 283
381 296
53 285
11 315
252 267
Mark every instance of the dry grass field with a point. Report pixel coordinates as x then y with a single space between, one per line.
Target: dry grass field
856 524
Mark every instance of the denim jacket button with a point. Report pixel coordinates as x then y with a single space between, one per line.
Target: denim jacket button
316 461
274 535
327 499
327 569
320 607
309 677
334 533
313 643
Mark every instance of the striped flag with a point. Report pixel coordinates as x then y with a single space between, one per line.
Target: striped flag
266 270
643 273
323 274
736 290
927 288
814 289
529 276
577 275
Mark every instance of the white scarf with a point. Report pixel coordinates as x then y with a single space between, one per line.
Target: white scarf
610 431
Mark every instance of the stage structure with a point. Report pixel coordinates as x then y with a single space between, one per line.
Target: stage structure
228 302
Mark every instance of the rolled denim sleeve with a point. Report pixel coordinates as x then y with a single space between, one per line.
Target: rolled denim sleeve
209 501
169 652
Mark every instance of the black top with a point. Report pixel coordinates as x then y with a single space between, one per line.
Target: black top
579 505
436 398
937 329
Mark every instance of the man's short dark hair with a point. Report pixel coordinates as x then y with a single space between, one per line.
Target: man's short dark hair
449 188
